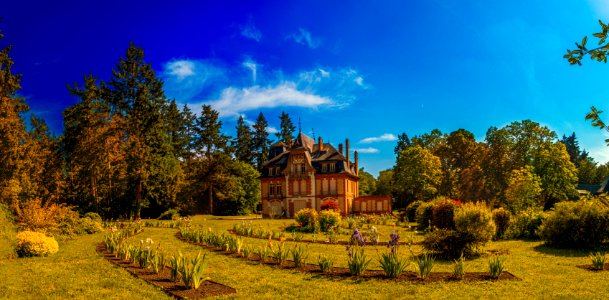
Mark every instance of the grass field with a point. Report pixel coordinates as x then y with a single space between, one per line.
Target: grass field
77 271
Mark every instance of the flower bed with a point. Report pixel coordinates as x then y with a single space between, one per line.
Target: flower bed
207 239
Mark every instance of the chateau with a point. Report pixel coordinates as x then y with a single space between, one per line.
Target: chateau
305 175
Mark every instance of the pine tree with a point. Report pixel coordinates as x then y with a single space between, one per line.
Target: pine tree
286 130
261 140
136 93
243 143
210 144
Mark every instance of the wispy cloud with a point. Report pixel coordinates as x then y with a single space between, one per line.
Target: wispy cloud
186 79
252 66
366 150
250 123
387 137
231 91
235 100
304 37
601 7
250 31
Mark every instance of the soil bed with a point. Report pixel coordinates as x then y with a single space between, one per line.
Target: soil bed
591 268
162 280
343 273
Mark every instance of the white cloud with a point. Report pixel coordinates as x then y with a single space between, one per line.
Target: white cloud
366 150
235 100
250 31
252 66
387 137
271 130
185 78
304 37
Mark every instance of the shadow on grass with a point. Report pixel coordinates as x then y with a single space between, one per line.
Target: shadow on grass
561 252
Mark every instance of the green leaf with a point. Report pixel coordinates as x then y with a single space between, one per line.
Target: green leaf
584 40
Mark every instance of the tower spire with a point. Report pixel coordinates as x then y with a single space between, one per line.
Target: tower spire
299 126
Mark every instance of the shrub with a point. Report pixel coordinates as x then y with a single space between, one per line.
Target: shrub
475 221
329 205
307 217
90 226
448 243
93 216
442 214
411 210
170 214
424 215
525 225
502 218
31 243
49 218
474 227
328 219
581 224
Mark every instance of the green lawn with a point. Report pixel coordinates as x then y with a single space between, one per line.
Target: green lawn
77 271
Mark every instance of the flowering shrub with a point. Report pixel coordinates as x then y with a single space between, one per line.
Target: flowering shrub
328 219
31 243
442 214
329 205
424 215
581 224
501 217
307 218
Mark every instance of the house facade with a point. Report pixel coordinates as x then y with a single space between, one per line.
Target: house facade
306 174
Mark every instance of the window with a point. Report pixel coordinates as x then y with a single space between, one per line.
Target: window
277 171
271 189
324 168
279 189
332 168
303 168
270 171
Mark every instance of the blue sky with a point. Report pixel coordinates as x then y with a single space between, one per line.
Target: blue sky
363 70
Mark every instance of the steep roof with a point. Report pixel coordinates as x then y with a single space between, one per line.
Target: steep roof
315 153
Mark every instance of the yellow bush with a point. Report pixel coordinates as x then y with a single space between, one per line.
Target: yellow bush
30 243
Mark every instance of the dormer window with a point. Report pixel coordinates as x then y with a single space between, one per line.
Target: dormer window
332 168
324 168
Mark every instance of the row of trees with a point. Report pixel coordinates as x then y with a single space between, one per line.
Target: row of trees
127 150
520 165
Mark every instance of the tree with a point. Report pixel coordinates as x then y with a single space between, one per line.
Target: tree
384 183
243 142
210 144
286 129
599 54
586 173
261 140
402 143
238 192
558 175
524 189
12 132
367 183
135 93
419 173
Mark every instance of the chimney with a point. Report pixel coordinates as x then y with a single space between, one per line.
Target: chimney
347 155
320 142
340 148
356 163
